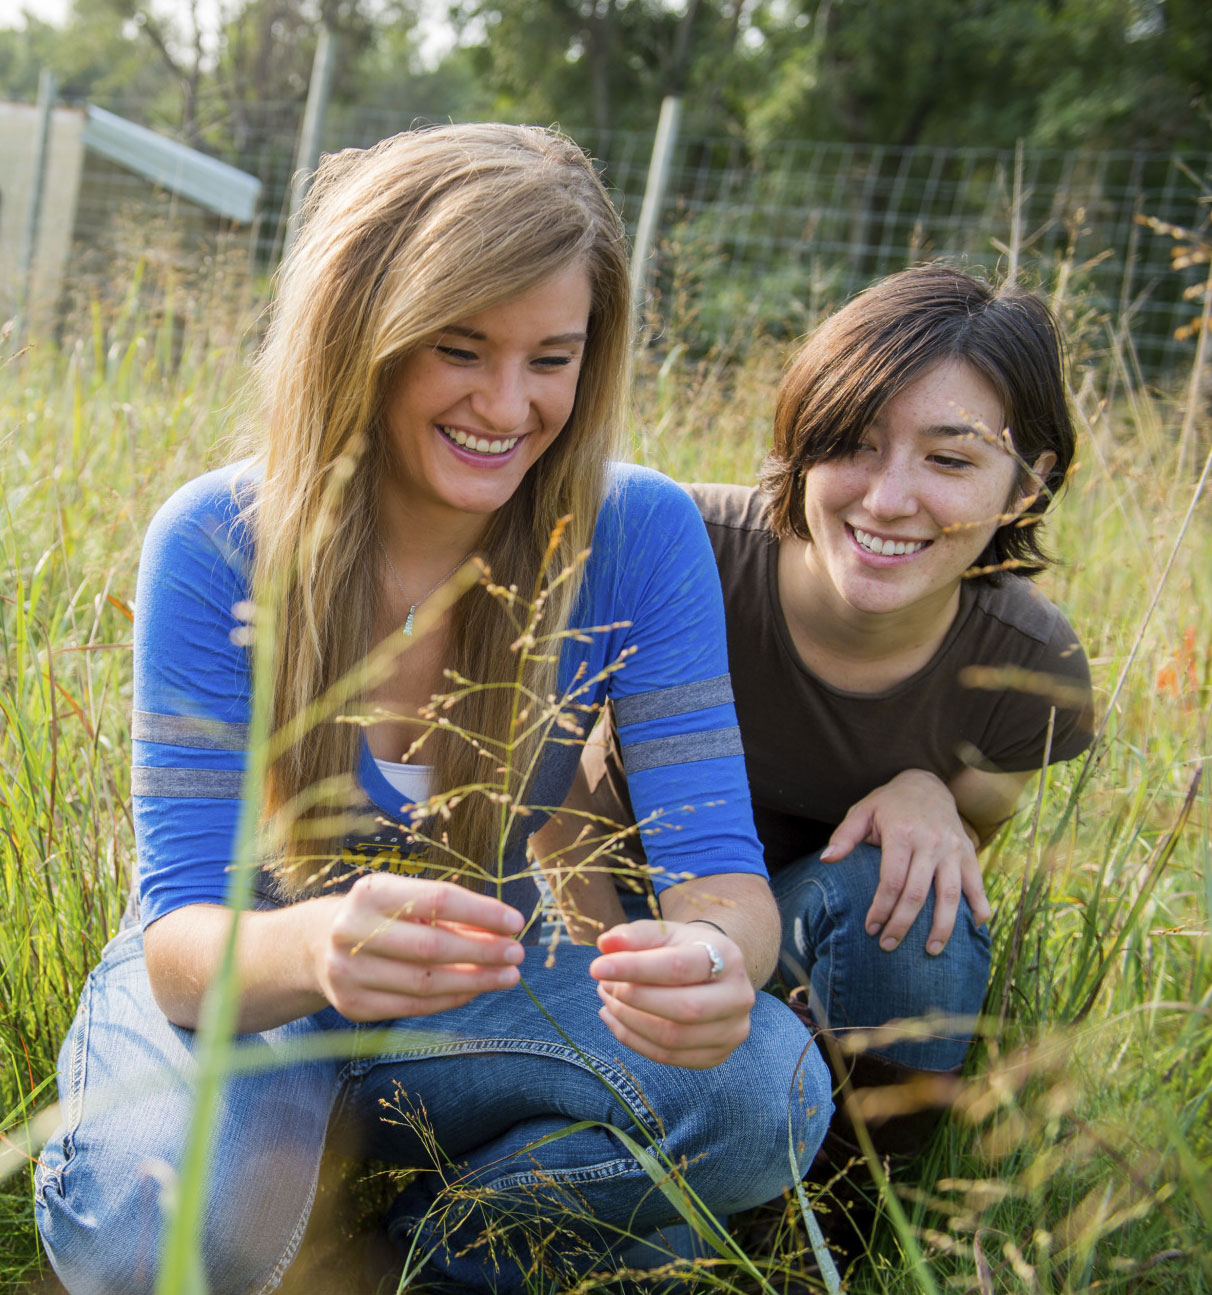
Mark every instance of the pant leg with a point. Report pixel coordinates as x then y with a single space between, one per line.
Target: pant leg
493 1077
856 984
505 1079
126 1084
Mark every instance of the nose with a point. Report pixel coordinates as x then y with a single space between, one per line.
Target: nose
503 398
891 491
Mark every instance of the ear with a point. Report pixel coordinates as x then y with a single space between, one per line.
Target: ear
1033 482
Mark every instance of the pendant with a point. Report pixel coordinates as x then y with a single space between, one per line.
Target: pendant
407 627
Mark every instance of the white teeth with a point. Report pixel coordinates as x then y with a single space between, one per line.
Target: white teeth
478 444
887 548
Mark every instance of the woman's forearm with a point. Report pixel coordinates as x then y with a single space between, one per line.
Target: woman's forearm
390 947
276 959
741 905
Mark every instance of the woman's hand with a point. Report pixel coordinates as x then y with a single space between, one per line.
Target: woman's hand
404 946
923 841
660 999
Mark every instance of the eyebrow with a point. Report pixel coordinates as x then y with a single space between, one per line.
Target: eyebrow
958 429
559 339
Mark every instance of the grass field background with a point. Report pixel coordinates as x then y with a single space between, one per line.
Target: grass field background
1079 1158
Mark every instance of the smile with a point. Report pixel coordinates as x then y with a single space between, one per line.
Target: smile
886 548
479 444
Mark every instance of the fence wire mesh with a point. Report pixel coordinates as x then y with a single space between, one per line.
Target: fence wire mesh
752 242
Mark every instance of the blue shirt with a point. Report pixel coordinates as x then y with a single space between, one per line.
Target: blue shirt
650 580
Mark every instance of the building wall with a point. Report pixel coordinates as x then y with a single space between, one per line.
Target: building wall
18 143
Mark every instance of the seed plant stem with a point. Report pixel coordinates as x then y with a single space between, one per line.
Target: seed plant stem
689 1206
1109 710
181 1271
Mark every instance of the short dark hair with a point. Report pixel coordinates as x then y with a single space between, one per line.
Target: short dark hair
889 336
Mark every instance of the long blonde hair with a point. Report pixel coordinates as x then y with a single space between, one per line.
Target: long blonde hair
397 242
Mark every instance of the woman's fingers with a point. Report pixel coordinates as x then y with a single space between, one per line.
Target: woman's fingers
367 987
681 965
947 895
675 992
913 894
413 899
696 1047
895 858
951 869
858 826
403 946
973 883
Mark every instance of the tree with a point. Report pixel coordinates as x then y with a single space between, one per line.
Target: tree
982 73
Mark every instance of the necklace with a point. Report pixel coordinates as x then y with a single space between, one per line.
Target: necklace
406 628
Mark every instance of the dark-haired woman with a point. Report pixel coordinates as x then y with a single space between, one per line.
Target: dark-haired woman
897 677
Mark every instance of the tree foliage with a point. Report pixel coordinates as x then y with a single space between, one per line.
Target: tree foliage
984 73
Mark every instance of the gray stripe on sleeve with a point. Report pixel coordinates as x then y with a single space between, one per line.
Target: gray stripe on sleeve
663 702
188 730
186 784
686 748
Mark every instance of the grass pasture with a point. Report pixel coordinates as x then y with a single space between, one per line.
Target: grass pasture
1079 1158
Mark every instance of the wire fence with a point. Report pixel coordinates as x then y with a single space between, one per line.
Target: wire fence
750 242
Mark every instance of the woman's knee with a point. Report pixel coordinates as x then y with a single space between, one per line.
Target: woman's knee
107 1177
855 984
105 1195
768 1112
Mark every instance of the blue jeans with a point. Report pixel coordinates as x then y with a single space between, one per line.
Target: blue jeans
853 983
486 1081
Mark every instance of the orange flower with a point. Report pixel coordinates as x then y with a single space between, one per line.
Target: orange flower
1179 677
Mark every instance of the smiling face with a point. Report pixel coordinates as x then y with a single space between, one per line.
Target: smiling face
895 525
471 411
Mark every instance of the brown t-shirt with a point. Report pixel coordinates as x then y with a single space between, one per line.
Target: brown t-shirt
813 750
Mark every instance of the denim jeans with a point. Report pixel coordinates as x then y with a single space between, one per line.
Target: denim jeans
485 1083
853 983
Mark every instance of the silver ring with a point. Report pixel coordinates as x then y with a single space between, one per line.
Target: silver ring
717 963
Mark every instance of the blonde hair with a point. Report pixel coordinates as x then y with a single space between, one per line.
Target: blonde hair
397 242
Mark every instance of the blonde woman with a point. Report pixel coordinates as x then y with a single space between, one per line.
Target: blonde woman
443 379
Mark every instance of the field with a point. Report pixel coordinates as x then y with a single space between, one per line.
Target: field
1079 1158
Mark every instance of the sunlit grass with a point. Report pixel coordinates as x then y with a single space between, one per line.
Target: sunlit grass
1078 1159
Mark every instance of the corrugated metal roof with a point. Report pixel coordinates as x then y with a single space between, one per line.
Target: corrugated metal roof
210 183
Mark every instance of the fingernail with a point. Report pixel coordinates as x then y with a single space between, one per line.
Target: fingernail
888 944
516 954
507 976
829 853
873 928
604 969
934 947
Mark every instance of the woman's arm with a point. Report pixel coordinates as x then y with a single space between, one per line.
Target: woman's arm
928 833
391 947
681 750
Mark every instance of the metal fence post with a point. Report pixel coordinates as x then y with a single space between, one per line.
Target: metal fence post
654 196
307 154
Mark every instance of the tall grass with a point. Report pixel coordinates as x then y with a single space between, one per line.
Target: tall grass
1079 1155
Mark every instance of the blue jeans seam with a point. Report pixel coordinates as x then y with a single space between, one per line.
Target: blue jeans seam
291 1248
617 1168
617 1079
74 1106
829 1023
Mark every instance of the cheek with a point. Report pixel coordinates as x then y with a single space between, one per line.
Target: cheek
829 487
558 406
